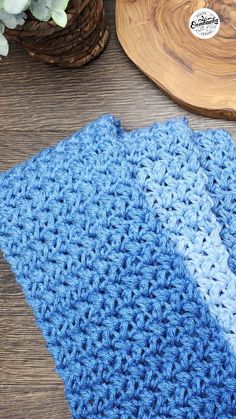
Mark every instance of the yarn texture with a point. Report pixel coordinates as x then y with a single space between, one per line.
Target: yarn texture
124 244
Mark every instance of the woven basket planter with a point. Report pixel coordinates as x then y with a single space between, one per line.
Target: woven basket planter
84 37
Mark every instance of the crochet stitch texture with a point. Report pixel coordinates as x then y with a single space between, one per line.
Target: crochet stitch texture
125 247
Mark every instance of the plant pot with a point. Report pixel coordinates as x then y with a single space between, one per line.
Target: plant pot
84 37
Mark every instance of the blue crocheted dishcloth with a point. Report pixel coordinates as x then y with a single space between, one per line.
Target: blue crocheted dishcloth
125 247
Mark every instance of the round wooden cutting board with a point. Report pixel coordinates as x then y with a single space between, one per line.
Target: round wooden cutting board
190 56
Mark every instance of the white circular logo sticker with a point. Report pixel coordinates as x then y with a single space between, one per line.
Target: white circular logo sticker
204 23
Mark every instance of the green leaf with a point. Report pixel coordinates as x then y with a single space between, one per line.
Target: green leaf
15 6
20 18
59 17
4 47
2 27
49 3
9 20
40 11
59 4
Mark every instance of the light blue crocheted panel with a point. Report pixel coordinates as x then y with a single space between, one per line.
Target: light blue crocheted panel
124 244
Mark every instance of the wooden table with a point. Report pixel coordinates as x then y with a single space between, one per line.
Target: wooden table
38 106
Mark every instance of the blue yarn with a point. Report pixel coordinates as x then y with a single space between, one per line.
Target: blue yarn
99 257
218 158
169 166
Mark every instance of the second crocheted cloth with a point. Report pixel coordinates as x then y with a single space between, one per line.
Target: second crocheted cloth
125 247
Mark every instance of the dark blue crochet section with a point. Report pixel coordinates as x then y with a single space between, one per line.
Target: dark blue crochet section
126 325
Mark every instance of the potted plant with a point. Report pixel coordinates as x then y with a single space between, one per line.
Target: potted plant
69 33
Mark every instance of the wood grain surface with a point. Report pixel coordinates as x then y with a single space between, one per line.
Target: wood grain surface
39 105
197 73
